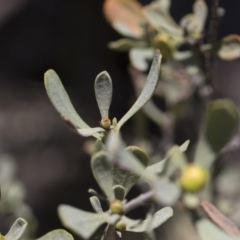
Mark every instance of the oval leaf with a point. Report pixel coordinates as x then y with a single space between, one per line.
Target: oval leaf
158 218
102 171
61 101
148 90
96 205
58 234
103 92
17 229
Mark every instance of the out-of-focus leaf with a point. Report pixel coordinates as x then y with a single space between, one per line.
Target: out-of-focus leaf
223 222
17 229
102 170
157 168
158 218
119 192
127 178
130 222
58 234
209 231
126 44
98 146
230 47
61 101
83 223
162 21
183 55
86 132
219 125
96 205
7 169
103 92
166 192
139 57
125 17
194 23
148 90
162 4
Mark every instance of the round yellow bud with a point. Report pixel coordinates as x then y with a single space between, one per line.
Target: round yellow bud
116 207
193 178
105 123
120 226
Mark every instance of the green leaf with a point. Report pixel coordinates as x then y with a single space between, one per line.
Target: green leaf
58 234
166 192
86 132
130 222
159 218
103 92
61 101
119 192
209 231
162 21
219 125
230 47
125 44
98 146
139 58
83 223
17 229
96 205
175 155
127 178
102 170
164 5
148 90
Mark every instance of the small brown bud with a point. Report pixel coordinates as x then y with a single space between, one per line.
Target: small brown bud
116 207
105 122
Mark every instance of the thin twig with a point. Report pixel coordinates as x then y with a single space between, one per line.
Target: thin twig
109 233
212 38
138 201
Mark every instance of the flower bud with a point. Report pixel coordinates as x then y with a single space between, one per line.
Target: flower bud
105 123
193 178
120 226
116 207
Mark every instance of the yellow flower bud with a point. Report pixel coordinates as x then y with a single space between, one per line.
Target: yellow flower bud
116 207
105 123
120 226
193 178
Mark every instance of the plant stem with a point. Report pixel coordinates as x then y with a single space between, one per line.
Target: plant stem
109 233
212 38
138 201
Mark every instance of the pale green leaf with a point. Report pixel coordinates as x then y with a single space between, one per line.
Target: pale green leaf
166 192
230 47
102 170
103 92
17 229
159 218
58 234
162 4
162 21
119 192
126 44
83 223
96 205
127 178
157 168
148 90
139 57
219 125
86 132
61 101
98 146
130 222
209 231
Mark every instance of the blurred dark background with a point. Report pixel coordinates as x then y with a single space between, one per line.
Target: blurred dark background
69 36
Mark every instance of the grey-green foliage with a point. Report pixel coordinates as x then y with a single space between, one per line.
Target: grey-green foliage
103 91
19 226
219 125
